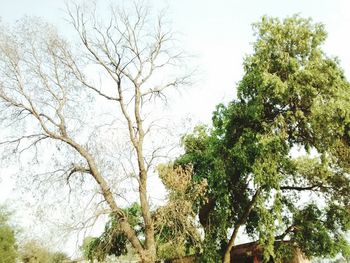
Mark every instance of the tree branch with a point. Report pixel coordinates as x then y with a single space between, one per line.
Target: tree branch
300 188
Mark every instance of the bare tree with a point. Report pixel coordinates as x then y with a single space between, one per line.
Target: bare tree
44 82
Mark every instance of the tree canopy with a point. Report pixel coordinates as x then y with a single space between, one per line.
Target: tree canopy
276 158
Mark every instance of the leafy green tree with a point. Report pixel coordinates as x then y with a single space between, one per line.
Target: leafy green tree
8 249
291 97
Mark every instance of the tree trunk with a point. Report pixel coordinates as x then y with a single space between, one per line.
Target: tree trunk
227 255
241 221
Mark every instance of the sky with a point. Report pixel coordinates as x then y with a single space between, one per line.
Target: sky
217 34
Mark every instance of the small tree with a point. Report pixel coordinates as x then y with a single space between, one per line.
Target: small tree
8 247
113 241
44 86
33 252
292 96
177 229
59 257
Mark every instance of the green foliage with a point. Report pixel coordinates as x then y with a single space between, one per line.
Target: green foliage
292 96
29 252
33 252
112 241
175 229
201 152
175 224
88 248
318 233
284 252
8 249
59 257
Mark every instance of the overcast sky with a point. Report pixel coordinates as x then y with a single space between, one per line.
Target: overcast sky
218 34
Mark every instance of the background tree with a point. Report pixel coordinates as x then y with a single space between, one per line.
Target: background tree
8 246
291 98
65 115
59 257
33 252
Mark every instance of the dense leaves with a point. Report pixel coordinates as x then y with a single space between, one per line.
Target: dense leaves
276 159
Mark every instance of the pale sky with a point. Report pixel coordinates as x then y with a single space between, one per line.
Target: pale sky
218 34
